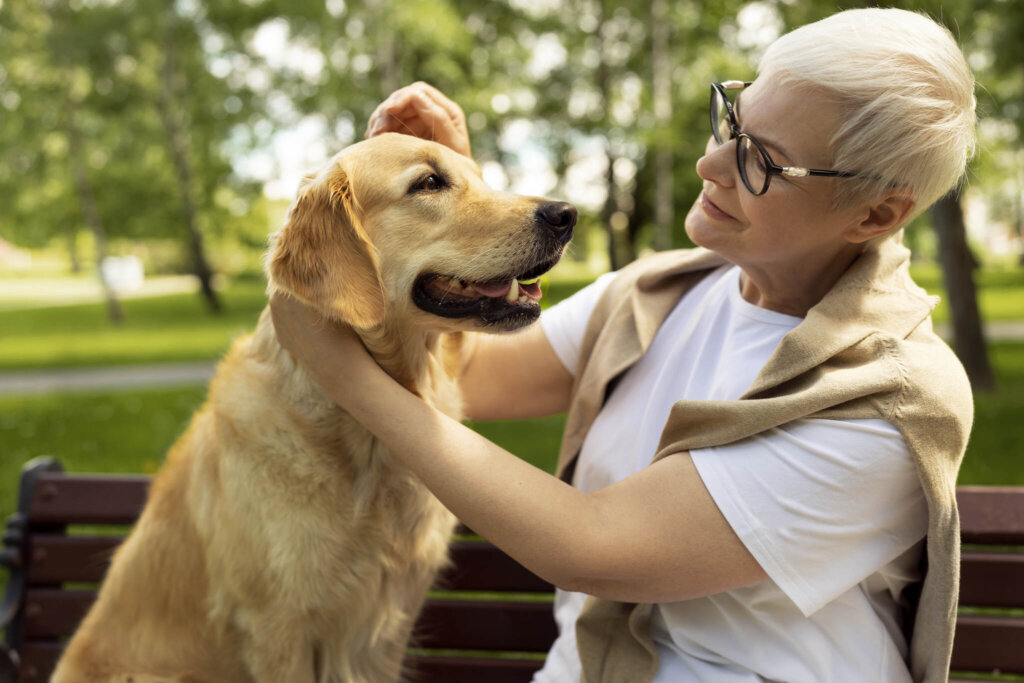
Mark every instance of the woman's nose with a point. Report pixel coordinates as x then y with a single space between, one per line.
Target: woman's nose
718 165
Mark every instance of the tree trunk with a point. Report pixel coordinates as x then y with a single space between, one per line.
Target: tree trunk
76 264
661 77
80 172
183 168
958 276
90 212
603 82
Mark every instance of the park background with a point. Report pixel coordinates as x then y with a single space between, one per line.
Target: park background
172 135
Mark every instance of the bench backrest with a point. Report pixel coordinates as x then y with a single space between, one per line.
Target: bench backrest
491 619
58 546
990 625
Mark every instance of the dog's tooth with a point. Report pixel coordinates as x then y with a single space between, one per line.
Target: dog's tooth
513 292
523 299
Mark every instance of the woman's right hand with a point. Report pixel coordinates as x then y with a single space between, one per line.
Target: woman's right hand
424 111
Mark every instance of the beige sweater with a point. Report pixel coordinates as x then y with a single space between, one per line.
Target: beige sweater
867 350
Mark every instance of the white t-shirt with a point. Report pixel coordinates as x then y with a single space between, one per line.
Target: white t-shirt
832 510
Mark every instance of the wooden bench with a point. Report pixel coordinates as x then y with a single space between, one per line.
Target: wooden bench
492 623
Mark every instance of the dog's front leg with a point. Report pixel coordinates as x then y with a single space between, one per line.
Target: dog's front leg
278 649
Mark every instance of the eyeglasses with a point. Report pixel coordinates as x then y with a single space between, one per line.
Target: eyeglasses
755 165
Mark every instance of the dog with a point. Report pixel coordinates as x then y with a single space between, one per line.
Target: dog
281 543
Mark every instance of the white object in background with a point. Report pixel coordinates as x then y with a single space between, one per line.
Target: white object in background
122 273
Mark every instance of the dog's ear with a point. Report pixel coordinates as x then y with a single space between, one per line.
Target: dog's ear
324 256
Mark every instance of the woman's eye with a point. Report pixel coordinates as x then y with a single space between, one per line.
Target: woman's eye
432 183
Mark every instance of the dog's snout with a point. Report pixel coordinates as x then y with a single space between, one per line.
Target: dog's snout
558 218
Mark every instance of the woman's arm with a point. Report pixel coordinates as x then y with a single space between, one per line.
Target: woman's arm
656 536
513 376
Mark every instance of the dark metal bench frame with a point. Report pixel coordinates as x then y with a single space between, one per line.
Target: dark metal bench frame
491 622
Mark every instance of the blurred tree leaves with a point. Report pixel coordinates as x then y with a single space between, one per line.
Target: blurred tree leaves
569 80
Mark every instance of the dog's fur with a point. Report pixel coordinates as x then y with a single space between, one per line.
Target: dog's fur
281 542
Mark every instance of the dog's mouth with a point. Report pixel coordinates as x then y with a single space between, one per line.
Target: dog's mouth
510 301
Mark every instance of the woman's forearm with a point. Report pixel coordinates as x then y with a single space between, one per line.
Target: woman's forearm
534 517
656 536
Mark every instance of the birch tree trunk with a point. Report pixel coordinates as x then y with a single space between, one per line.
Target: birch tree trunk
958 275
182 166
87 202
661 67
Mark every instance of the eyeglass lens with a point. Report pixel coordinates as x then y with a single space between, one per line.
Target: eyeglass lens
752 164
721 124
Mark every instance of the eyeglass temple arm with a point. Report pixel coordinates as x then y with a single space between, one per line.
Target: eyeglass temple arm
800 172
733 85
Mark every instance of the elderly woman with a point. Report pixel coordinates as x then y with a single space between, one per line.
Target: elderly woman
763 433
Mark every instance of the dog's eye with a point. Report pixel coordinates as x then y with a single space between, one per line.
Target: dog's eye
432 183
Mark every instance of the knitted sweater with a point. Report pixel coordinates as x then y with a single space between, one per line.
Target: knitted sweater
866 350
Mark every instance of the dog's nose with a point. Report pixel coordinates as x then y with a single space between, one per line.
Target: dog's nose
557 217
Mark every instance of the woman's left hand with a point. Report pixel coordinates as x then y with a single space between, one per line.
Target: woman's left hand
329 350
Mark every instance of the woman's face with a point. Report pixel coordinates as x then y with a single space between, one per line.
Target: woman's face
793 224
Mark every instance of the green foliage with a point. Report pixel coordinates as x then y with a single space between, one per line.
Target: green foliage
579 71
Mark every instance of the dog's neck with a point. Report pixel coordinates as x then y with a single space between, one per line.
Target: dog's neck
425 363
415 358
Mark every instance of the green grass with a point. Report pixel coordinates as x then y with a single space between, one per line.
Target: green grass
131 431
1000 291
179 328
995 454
161 329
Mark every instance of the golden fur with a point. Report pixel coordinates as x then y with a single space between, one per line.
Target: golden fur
281 542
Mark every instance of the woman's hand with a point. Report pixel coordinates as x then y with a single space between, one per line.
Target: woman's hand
425 112
328 350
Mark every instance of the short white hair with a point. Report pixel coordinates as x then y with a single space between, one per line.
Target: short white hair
906 93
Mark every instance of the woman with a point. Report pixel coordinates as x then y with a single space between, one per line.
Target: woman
751 496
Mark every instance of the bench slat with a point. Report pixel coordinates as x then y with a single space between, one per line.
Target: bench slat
989 644
991 515
992 579
447 623
57 558
486 625
480 566
54 612
471 670
88 499
38 659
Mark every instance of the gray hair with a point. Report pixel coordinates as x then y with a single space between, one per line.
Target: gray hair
907 94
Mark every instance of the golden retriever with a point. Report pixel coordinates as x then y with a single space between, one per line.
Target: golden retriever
281 543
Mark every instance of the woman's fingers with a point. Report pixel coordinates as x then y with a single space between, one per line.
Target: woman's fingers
320 345
425 112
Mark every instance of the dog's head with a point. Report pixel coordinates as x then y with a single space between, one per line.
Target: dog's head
398 226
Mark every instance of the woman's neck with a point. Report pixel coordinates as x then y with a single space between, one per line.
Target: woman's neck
794 288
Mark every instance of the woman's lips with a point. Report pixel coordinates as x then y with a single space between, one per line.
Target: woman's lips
712 210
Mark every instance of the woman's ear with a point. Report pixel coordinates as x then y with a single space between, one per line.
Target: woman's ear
324 257
882 217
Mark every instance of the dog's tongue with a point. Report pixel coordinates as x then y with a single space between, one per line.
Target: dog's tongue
492 291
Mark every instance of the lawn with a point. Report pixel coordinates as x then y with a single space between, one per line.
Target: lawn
160 329
130 431
178 328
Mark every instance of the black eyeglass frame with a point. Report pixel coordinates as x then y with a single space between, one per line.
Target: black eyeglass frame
771 168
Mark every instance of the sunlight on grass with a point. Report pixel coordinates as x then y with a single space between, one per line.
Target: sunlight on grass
160 329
